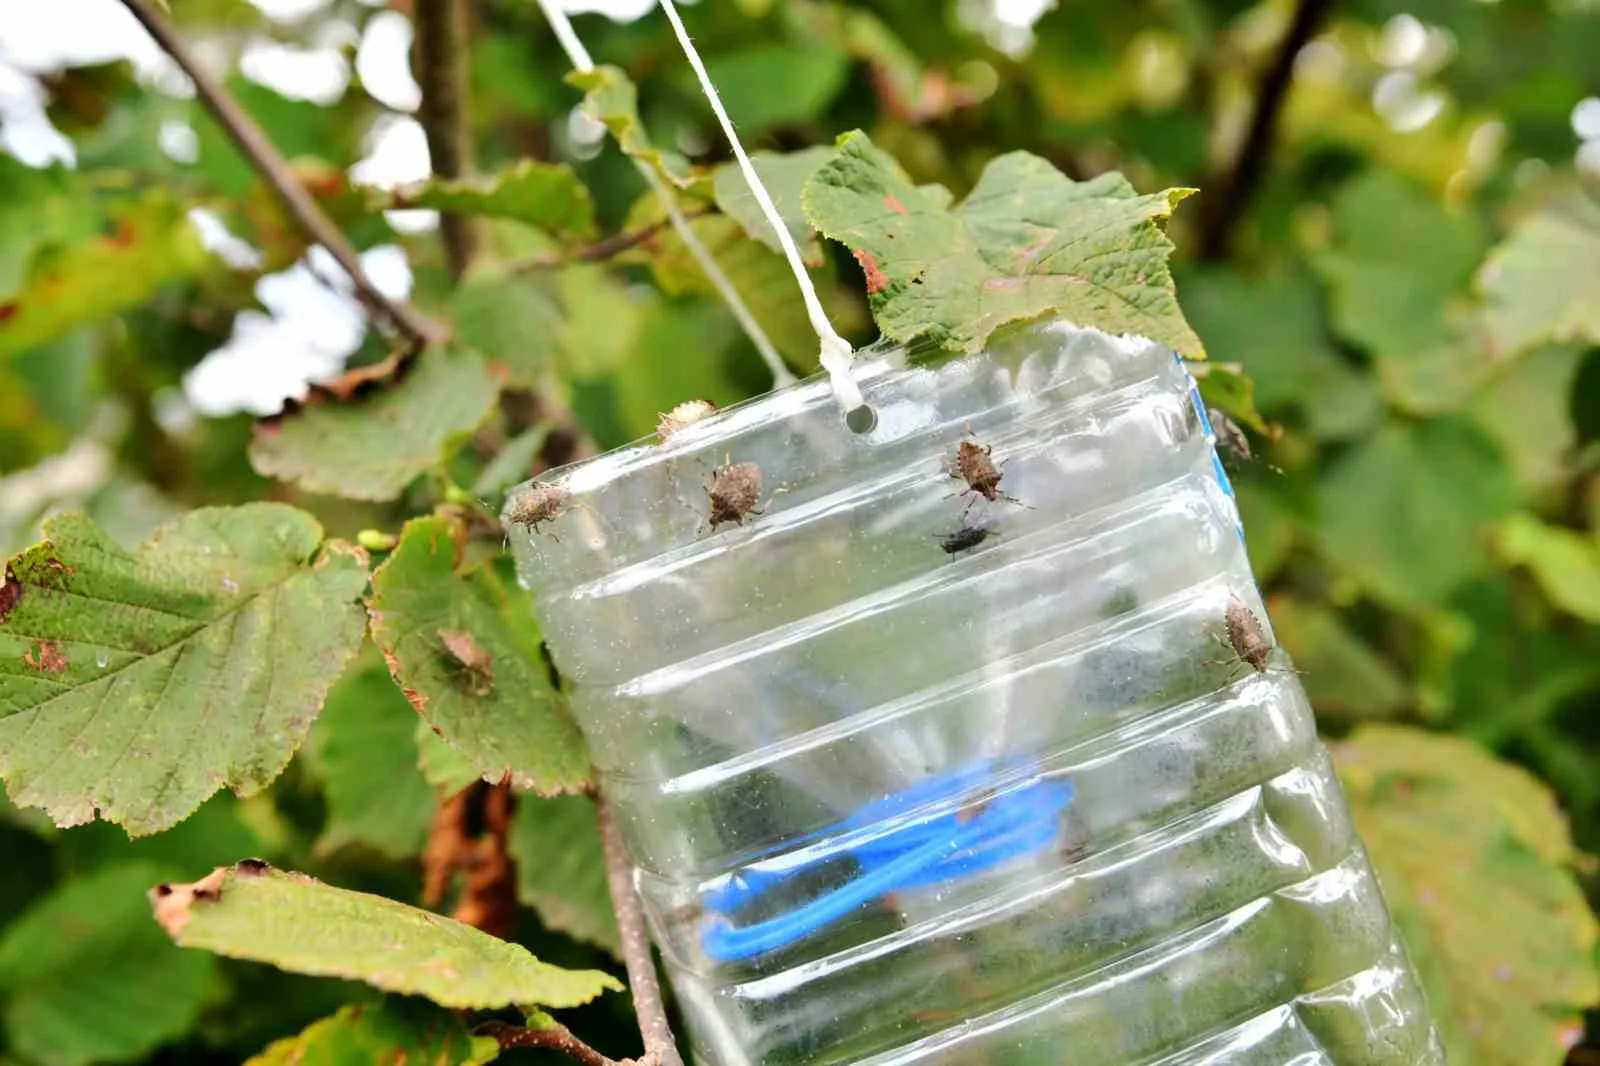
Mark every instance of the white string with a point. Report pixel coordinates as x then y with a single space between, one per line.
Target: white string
837 354
581 61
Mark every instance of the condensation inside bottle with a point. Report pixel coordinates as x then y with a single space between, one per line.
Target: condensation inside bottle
1017 803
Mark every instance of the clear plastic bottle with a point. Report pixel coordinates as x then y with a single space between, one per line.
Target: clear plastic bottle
902 792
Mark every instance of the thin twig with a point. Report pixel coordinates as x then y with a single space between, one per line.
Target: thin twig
1230 194
648 1006
266 158
601 250
556 1037
441 41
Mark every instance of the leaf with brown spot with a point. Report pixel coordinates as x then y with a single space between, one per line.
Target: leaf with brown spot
468 652
151 243
877 281
46 657
516 725
1027 241
172 902
133 685
299 924
1475 860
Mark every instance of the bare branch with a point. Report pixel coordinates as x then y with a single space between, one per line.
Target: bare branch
442 38
601 250
1229 195
659 1049
557 1038
266 158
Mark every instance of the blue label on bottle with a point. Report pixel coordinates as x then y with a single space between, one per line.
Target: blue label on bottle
1211 439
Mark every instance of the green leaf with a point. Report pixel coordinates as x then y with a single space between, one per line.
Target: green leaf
1406 510
1346 679
561 872
512 321
1225 387
1272 325
297 923
512 463
39 208
86 977
1565 563
762 279
390 1031
1025 242
611 99
1473 855
495 706
576 319
601 318
773 84
151 243
1529 412
365 753
442 766
785 177
215 833
134 685
1398 259
658 377
1539 286
1397 275
1270 527
48 395
371 448
547 196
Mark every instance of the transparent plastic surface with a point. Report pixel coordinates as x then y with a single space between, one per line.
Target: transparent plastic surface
897 798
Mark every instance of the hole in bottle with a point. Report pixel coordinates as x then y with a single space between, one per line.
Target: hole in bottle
862 420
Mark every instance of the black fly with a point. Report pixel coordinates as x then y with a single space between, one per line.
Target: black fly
963 539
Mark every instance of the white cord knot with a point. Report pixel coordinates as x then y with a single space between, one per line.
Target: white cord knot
837 357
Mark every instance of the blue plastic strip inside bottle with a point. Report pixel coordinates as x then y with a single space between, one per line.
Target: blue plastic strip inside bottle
926 851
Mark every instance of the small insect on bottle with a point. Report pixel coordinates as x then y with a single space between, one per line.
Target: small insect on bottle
975 465
1244 636
1230 437
682 417
734 491
964 539
536 504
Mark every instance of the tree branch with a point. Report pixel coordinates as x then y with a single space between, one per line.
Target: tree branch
601 250
659 1048
556 1037
441 40
266 158
1232 192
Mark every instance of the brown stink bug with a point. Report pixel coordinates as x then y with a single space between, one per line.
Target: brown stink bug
1245 635
540 503
974 465
735 488
1230 437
